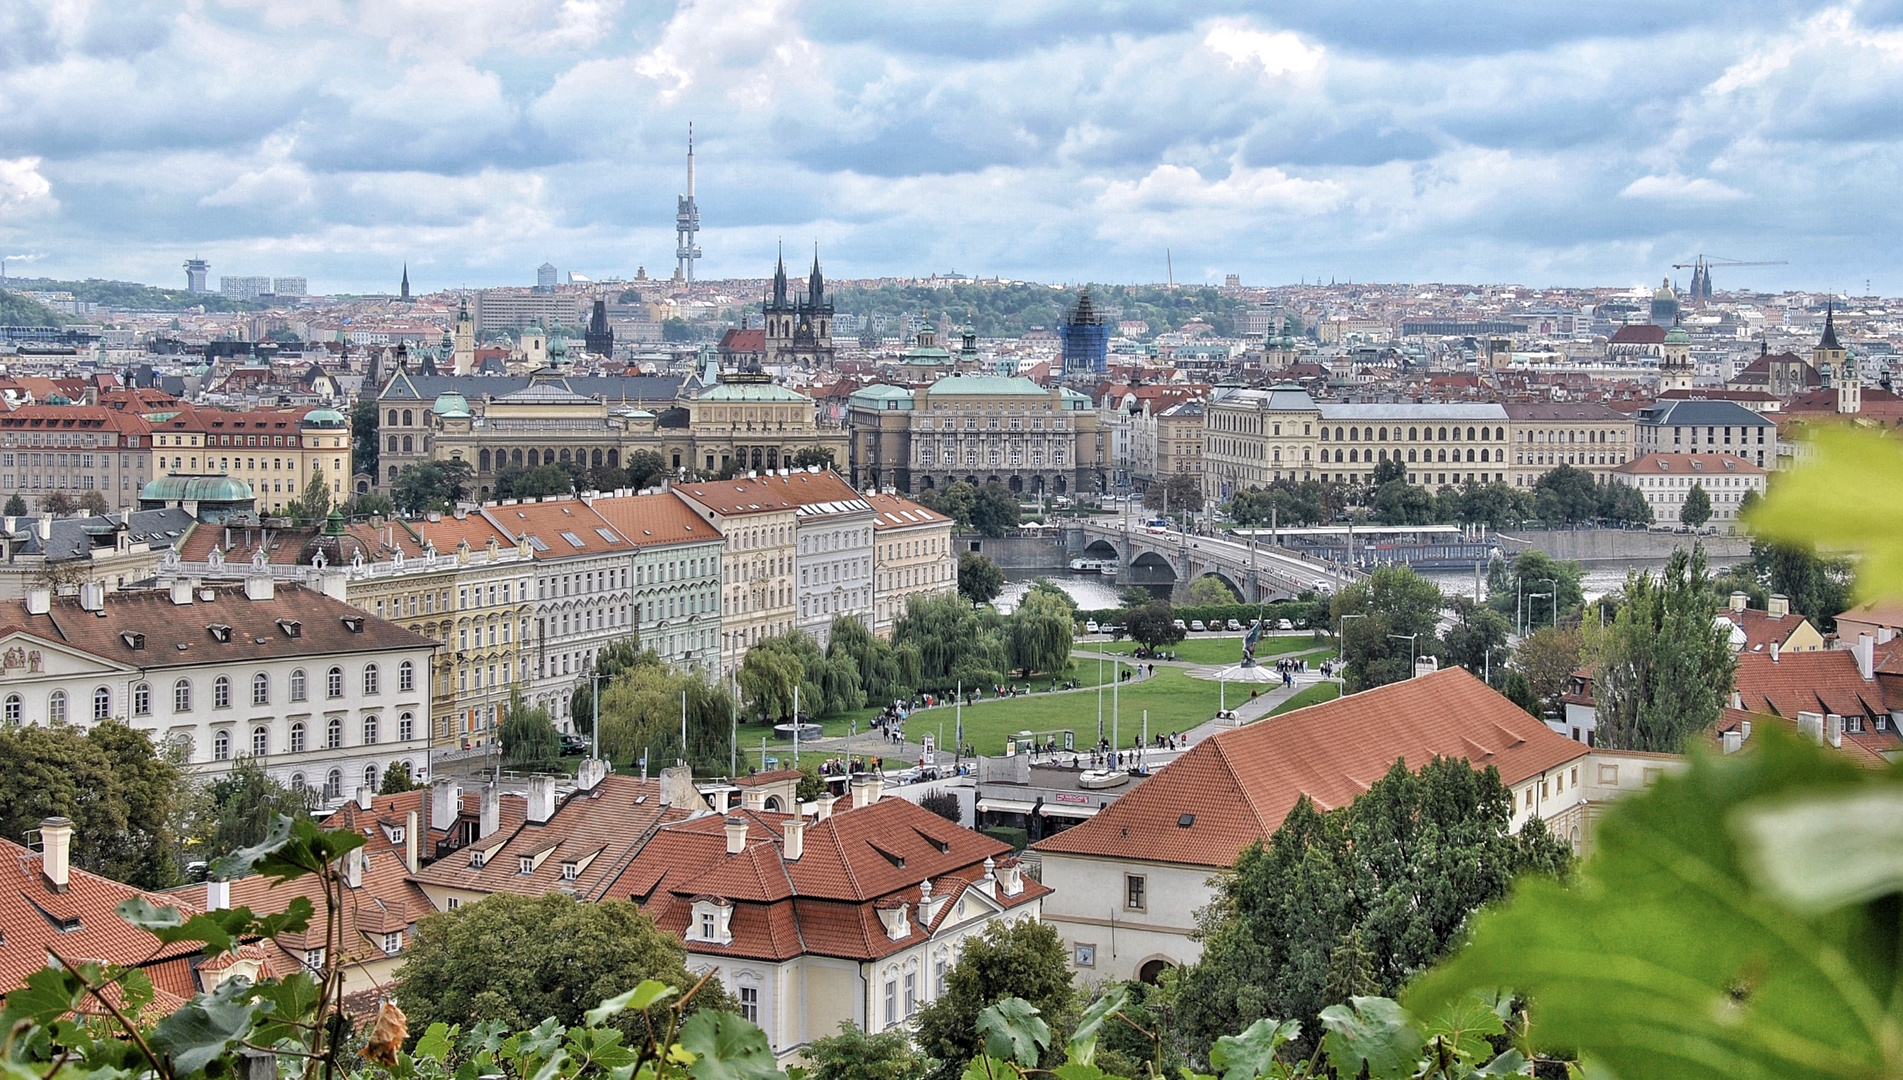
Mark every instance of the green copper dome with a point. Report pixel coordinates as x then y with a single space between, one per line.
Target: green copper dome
451 405
324 418
215 489
1677 336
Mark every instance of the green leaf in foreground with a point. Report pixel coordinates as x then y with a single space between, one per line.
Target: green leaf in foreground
1667 957
728 1048
1013 1030
1375 1033
1252 1053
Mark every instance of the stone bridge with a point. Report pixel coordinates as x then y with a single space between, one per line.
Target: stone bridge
1256 573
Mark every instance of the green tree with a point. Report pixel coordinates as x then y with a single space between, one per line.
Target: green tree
120 794
431 485
644 469
1477 637
316 498
767 680
58 504
854 1055
1496 505
958 502
995 510
1626 504
887 670
397 780
1389 470
365 434
1696 509
1394 875
1025 959
979 579
1389 604
1520 692
518 959
93 502
1180 494
1517 589
813 455
527 734
371 504
1548 657
954 642
1661 670
236 811
641 715
609 661
16 506
1293 502
1209 591
1039 633
1153 624
1565 495
1398 502
522 482
1817 587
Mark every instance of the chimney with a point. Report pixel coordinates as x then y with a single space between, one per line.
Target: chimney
46 526
1834 730
259 587
353 868
736 835
589 774
677 788
1733 741
491 813
823 807
445 804
541 799
412 843
1774 652
1810 725
364 795
1778 606
181 592
1885 635
56 852
92 596
1737 699
1744 729
39 601
217 895
1738 601
1866 650
1011 875
867 788
795 846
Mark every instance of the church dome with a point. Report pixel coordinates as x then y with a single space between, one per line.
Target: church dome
1677 336
451 405
324 418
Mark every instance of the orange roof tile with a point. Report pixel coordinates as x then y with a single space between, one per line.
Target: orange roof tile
652 520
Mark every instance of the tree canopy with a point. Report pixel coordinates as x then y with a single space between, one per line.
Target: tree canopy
979 579
1696 509
1518 589
1380 611
1371 892
121 795
1662 671
527 734
1024 959
1153 624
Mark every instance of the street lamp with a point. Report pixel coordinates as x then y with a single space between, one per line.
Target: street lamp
1413 657
1553 596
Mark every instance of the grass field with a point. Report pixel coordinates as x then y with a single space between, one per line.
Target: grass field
1208 649
1314 695
1175 701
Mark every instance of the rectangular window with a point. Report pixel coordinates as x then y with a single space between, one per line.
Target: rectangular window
750 1003
891 1003
1134 887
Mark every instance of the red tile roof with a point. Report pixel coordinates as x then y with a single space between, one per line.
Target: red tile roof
1826 682
1867 748
1236 787
1760 629
650 520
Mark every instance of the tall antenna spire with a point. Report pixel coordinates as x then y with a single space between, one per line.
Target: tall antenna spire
687 222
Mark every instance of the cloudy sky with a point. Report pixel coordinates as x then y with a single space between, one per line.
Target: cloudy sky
1481 141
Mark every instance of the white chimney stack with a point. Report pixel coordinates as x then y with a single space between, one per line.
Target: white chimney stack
590 773
1834 730
491 812
1738 601
1774 652
795 846
1810 725
1733 741
823 807
259 587
181 592
364 795
92 596
541 799
353 868
1778 606
217 895
412 843
1866 650
56 852
736 835
39 601
445 805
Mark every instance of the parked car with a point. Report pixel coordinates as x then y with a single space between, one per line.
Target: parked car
1284 624
1090 627
574 744
1234 625
1197 625
1178 623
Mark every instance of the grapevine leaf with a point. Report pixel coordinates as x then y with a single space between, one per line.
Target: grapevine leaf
727 1047
1083 1041
1013 1030
208 1026
1252 1053
642 996
1371 1031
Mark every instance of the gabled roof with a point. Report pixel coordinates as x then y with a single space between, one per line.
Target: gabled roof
732 498
1761 629
656 520
1235 787
557 528
1826 682
1702 412
1638 334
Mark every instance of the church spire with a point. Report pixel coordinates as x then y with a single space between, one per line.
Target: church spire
406 283
815 283
1829 340
779 279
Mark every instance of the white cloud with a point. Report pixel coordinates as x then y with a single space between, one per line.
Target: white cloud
22 189
1280 52
1675 187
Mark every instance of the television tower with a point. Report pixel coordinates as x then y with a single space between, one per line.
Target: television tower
686 221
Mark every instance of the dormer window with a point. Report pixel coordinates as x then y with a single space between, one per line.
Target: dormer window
712 920
570 871
475 860
353 623
133 639
526 865
707 926
219 632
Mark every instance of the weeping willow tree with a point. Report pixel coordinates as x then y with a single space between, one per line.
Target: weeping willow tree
954 642
1039 634
641 713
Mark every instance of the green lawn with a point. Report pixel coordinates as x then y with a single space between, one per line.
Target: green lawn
1313 695
1208 649
1176 703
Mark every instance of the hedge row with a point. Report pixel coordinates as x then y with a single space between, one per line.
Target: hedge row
1297 612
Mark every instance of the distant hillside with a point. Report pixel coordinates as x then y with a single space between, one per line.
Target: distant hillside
19 311
1010 310
136 297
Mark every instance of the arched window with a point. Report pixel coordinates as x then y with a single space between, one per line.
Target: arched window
393 444
334 682
370 777
221 746
297 685
297 737
408 444
102 703
297 782
392 417
406 727
260 741
334 733
142 699
334 784
13 710
405 677
260 689
221 692
182 696
372 679
370 731
406 418
56 707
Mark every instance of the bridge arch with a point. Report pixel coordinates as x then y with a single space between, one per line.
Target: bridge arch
1102 549
1150 568
1235 587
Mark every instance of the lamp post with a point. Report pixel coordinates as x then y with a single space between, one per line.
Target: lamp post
1552 596
1413 653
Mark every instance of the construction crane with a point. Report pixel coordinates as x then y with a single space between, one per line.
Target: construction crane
1701 272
